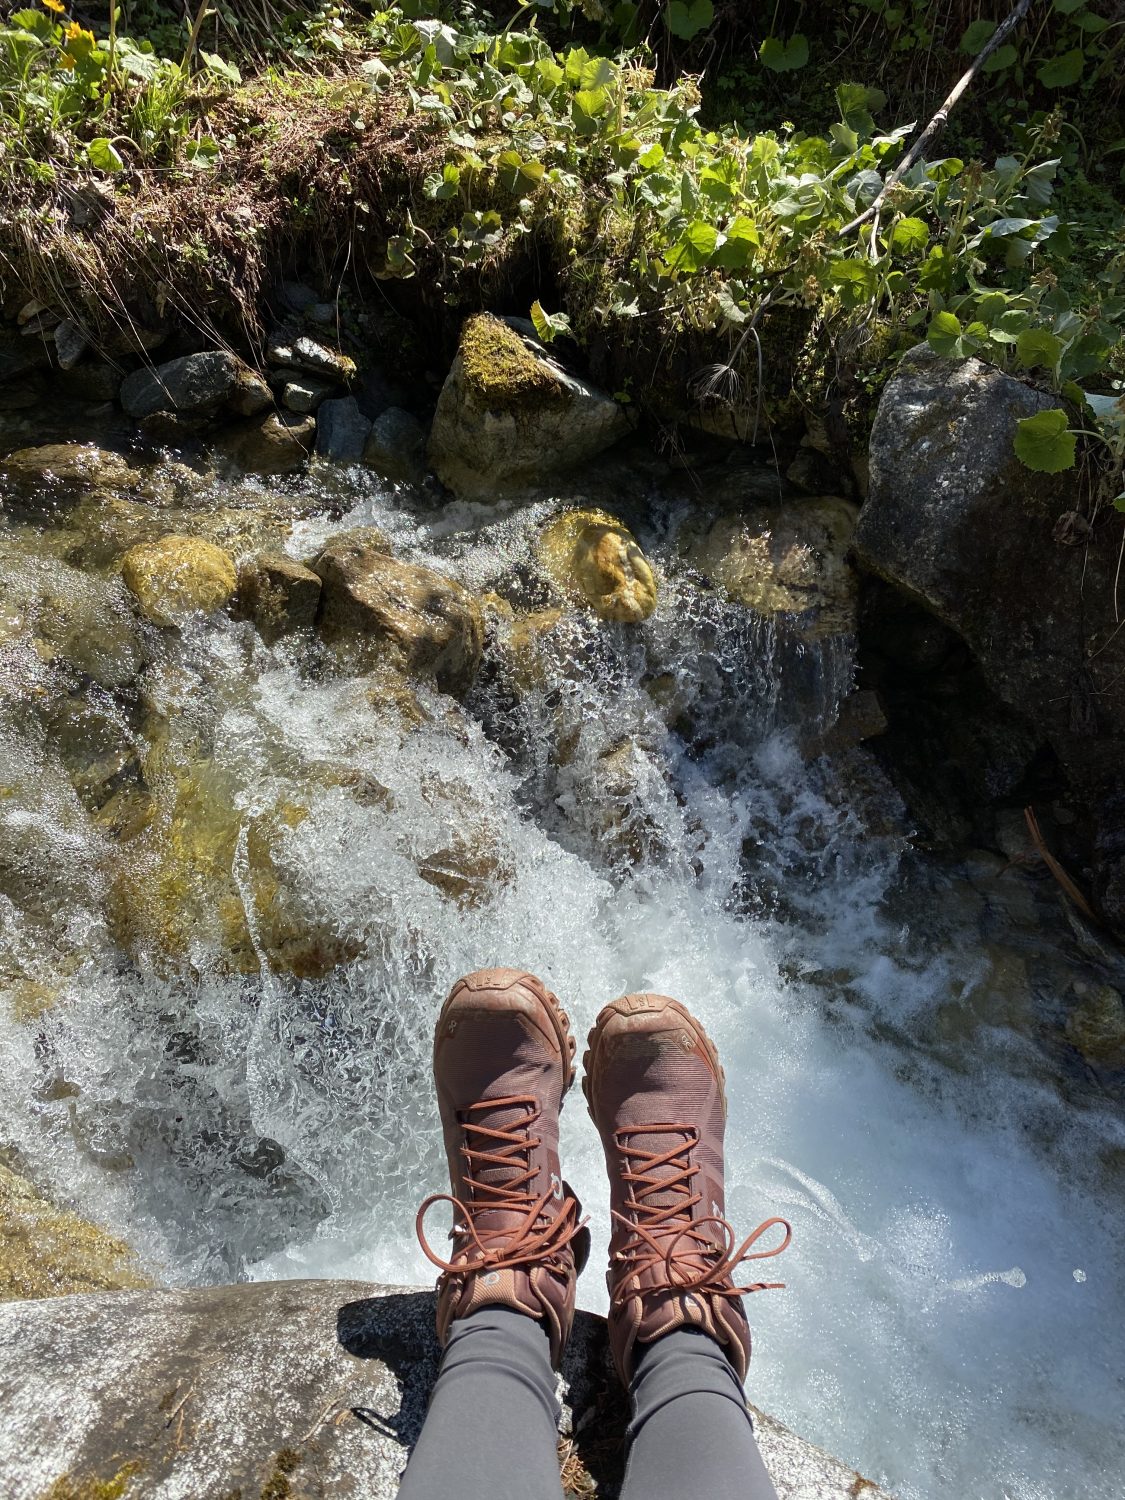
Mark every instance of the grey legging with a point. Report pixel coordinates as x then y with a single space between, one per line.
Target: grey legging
491 1432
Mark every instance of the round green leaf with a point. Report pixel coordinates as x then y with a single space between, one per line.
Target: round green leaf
103 154
911 236
976 35
1045 443
784 57
1038 346
944 333
1063 70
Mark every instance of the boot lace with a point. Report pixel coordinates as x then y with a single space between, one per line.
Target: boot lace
657 1230
538 1237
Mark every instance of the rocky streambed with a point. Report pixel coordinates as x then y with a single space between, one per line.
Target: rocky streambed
316 691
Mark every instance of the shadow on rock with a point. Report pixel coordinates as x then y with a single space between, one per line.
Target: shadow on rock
397 1330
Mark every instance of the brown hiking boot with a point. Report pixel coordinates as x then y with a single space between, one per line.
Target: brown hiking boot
503 1059
655 1091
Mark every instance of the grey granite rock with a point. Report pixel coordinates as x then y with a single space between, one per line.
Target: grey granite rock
396 446
300 1388
1009 560
195 383
342 431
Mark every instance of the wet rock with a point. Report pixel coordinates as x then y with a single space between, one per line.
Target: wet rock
279 445
376 608
195 383
303 353
92 380
396 445
860 718
193 1392
71 344
48 1252
955 521
590 555
305 395
76 625
342 431
814 473
786 560
103 531
278 593
472 861
60 474
190 862
510 415
1096 1026
178 576
20 357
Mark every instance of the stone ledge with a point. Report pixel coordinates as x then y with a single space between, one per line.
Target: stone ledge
312 1390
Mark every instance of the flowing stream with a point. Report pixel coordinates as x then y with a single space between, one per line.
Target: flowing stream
953 1320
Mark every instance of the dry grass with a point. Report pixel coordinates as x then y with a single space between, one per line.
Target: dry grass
316 171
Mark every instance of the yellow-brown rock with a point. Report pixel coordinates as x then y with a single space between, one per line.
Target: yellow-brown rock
178 576
48 1252
789 560
590 555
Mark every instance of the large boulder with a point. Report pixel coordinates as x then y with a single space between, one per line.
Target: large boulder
509 415
275 1389
1008 560
47 1251
377 608
195 383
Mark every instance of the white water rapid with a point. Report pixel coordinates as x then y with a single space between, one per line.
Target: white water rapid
953 1319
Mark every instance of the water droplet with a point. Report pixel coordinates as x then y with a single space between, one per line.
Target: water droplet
1079 1276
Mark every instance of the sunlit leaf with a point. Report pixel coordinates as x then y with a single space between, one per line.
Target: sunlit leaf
1045 443
784 57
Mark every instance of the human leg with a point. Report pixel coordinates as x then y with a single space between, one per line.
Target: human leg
491 1429
691 1432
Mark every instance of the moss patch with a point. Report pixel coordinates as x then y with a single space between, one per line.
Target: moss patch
502 371
277 1486
48 1252
66 1487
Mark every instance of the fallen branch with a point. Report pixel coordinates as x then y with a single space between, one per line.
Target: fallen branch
939 121
1064 880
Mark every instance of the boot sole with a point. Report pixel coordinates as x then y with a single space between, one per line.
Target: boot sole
631 1005
560 1021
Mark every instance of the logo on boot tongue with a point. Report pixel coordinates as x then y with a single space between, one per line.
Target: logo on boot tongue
556 1185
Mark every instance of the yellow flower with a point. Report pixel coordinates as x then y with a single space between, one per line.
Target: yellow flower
57 6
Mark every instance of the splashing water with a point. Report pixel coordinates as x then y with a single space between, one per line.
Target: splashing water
934 1332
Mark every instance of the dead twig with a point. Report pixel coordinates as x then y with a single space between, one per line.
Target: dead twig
939 121
1066 884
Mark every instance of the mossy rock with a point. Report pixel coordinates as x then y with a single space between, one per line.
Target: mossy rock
178 576
174 901
49 1252
500 368
591 557
510 415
